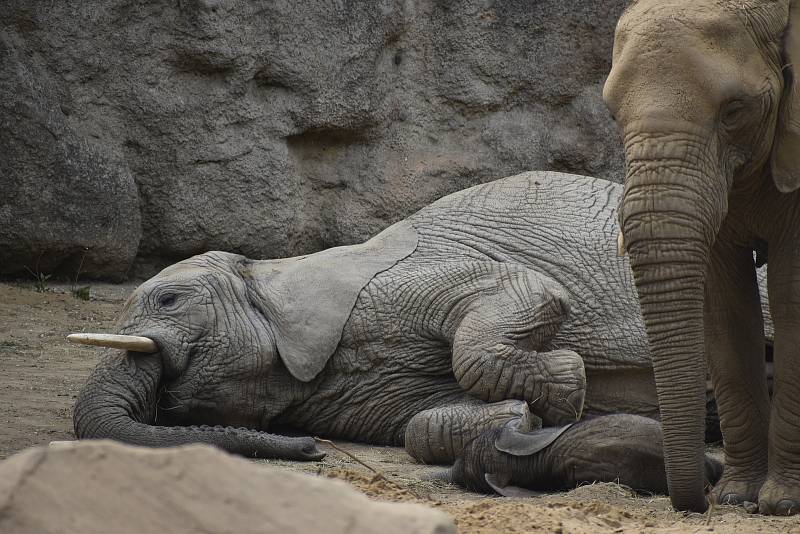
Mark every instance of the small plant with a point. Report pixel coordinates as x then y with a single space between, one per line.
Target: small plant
84 292
39 280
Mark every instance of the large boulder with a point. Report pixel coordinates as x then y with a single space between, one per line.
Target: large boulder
104 487
67 206
274 129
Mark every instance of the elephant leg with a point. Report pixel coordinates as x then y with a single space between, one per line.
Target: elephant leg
734 335
499 350
780 493
438 435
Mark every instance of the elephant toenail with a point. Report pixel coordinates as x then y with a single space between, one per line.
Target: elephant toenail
730 498
787 507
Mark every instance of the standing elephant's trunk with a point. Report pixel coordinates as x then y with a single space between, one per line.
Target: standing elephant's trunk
120 399
673 206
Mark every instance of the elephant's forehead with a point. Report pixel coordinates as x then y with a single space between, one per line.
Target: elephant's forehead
175 277
208 263
181 272
657 17
702 48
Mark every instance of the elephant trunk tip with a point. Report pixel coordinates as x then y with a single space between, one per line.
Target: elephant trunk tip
694 504
447 475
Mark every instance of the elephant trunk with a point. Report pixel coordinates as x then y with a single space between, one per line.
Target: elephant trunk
670 214
119 401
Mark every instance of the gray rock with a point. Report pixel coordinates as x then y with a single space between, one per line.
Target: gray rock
102 486
274 129
66 207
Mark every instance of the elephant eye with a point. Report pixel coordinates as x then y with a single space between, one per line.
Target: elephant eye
733 111
166 300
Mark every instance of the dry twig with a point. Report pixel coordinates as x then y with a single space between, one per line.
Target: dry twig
379 474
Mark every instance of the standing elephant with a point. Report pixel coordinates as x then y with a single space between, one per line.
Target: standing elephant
706 94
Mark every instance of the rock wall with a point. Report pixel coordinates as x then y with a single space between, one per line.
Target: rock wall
277 128
66 206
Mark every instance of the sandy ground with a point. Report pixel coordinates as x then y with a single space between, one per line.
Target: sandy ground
40 375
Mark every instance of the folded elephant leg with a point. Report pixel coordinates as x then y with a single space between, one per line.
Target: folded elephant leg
615 448
499 348
438 435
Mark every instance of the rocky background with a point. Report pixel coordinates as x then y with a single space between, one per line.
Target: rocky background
135 133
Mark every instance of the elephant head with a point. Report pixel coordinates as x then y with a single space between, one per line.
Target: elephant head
232 343
706 95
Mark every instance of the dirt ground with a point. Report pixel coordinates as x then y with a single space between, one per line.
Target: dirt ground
40 375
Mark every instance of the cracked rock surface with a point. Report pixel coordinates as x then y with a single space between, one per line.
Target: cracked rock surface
274 129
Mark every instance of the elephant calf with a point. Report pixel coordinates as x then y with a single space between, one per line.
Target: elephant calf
618 448
496 303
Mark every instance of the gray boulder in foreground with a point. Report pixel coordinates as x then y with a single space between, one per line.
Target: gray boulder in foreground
103 486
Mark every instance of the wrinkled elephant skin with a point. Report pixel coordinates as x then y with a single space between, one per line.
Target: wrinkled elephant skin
506 301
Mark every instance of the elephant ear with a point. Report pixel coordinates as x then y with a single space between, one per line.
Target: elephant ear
786 146
516 442
308 299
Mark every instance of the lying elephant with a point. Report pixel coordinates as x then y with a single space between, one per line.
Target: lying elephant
420 336
618 448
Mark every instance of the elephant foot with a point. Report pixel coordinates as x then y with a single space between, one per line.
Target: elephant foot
563 390
779 496
737 486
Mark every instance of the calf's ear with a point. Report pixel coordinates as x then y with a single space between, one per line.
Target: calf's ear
786 146
308 299
519 443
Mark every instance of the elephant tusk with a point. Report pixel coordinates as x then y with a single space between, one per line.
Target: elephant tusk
132 343
621 245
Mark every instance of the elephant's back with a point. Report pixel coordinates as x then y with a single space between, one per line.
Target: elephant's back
562 225
523 215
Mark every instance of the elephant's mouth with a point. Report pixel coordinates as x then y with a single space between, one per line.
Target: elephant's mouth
174 353
169 404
